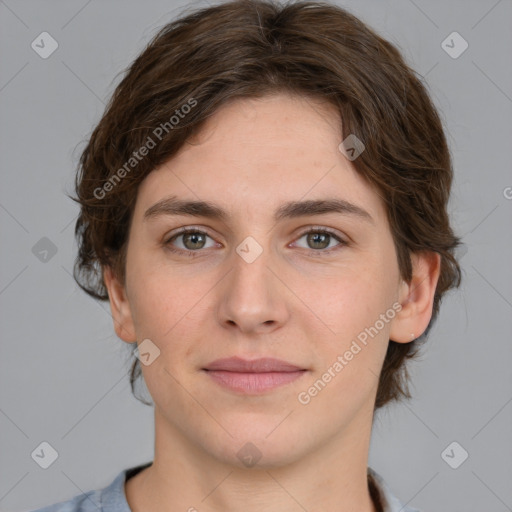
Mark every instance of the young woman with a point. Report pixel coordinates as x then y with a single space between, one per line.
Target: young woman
264 203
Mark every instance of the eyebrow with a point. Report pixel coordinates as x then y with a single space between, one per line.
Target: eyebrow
174 206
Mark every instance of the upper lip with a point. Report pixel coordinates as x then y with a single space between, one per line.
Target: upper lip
262 365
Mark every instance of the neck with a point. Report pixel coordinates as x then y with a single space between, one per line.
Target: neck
185 477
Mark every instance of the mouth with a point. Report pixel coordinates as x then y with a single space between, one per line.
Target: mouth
252 377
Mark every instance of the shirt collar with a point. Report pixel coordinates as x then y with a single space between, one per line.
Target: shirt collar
389 502
113 497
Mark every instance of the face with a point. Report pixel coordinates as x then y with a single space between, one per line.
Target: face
267 279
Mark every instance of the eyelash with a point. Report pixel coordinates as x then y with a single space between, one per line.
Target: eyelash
311 252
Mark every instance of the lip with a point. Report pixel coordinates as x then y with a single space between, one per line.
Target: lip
252 377
264 364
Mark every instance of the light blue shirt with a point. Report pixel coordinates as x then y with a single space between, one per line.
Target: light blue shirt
113 498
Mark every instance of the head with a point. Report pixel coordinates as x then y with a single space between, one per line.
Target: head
244 106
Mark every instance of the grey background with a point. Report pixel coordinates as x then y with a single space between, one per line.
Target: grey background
62 369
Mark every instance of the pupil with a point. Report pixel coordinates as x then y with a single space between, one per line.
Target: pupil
194 238
318 237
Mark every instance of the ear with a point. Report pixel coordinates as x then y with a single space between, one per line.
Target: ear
119 306
417 298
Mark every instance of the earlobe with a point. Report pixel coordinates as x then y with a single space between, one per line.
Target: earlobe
417 298
119 306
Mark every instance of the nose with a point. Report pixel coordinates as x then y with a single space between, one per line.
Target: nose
252 298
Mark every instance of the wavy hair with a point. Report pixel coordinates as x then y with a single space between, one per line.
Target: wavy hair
252 48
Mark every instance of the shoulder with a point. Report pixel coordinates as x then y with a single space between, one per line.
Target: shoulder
111 498
86 502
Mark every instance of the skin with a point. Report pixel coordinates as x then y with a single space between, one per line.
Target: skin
252 156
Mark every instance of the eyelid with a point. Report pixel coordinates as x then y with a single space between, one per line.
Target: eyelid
323 229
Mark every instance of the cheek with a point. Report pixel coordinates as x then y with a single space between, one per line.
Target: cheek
351 353
355 307
159 296
172 312
348 300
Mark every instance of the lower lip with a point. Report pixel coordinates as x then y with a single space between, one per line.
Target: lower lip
253 383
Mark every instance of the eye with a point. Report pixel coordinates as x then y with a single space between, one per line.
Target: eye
319 239
192 240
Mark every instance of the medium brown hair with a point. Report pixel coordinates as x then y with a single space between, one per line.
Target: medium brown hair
252 48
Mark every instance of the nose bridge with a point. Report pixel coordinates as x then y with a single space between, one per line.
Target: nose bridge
250 277
251 298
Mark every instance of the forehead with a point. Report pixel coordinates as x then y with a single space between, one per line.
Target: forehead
253 155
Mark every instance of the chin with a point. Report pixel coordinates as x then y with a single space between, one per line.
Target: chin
257 448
